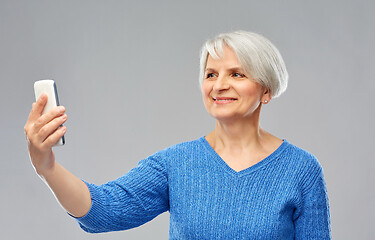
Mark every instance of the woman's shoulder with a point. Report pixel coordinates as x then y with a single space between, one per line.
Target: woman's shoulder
185 147
301 156
303 164
177 154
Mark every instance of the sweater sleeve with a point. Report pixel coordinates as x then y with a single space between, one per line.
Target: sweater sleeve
313 221
129 201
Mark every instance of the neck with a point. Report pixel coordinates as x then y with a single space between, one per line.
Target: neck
237 134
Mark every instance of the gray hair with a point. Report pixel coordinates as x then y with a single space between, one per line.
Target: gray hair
257 56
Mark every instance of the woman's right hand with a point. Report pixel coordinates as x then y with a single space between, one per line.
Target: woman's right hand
42 132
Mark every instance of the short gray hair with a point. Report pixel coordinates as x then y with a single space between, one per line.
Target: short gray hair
256 54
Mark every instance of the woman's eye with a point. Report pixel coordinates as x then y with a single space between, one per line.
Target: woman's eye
238 75
210 75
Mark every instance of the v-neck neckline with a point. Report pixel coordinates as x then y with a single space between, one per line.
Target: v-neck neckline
248 170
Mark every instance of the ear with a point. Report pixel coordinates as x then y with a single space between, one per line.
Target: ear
266 97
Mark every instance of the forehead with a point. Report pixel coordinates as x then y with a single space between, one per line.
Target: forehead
227 59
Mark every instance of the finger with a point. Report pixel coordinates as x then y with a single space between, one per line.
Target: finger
38 107
26 128
51 127
35 112
48 117
52 139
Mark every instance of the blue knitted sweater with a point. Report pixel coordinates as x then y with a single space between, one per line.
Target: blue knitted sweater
283 196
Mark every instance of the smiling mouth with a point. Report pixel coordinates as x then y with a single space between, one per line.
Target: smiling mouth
224 99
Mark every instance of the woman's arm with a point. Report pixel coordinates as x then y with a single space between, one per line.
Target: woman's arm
314 220
43 132
131 200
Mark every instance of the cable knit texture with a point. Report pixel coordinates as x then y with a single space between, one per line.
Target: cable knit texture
283 196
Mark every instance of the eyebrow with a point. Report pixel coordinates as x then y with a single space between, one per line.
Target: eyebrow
230 69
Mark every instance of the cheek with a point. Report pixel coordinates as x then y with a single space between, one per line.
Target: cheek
252 91
205 89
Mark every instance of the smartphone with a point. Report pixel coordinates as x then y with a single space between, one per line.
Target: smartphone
49 88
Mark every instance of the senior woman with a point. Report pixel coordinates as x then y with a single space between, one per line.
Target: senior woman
237 182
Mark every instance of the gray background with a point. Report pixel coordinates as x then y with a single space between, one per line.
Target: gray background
127 73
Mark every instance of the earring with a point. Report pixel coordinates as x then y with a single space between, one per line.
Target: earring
265 101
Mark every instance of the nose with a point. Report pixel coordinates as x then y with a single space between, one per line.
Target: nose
221 84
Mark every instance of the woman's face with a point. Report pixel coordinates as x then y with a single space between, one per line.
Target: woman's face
228 92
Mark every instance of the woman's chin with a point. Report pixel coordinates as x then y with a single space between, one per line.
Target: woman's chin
233 117
225 117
